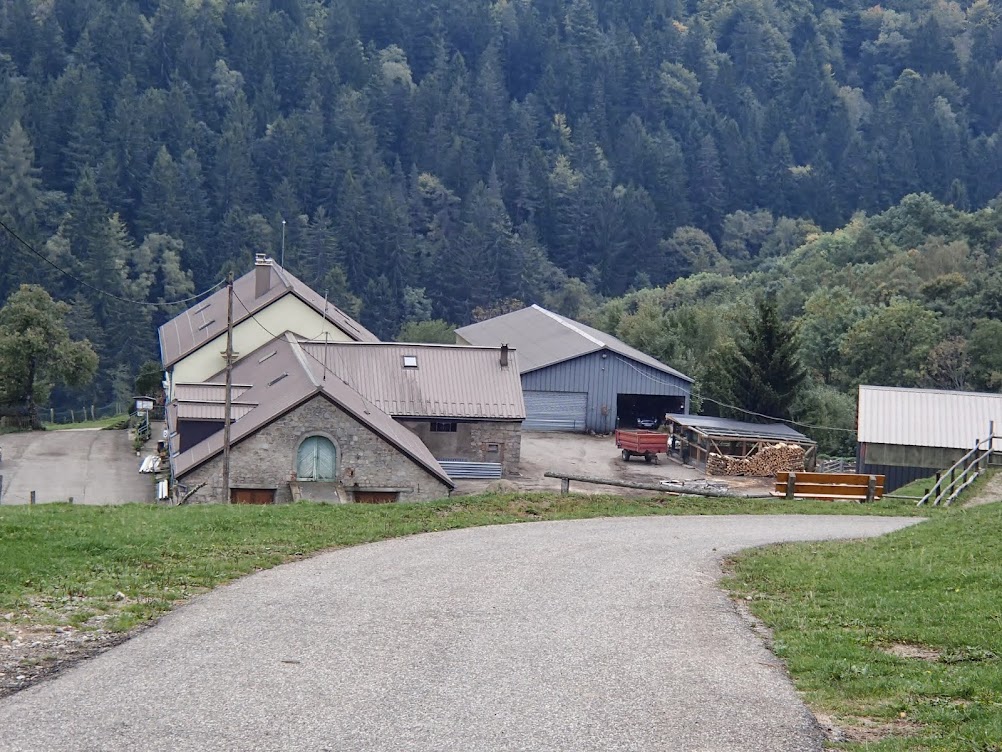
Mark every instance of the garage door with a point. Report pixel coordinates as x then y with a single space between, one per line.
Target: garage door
555 411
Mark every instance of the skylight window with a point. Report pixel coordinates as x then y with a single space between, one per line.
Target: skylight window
277 379
410 361
207 324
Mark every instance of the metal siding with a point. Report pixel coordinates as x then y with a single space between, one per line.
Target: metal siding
926 417
555 411
896 477
457 469
603 379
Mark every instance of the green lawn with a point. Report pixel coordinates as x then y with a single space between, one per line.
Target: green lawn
111 421
56 558
836 609
898 638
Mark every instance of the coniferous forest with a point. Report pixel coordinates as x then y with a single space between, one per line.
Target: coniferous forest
646 165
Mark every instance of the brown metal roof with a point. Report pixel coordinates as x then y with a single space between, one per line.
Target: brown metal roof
287 380
926 417
206 320
445 381
207 392
544 338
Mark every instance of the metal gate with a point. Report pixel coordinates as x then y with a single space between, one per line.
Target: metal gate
555 411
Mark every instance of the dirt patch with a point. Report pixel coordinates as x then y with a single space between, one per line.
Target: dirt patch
864 730
30 654
920 652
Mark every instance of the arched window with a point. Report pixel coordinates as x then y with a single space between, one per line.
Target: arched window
316 460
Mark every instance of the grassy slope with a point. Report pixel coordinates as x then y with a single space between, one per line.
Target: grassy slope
836 608
57 558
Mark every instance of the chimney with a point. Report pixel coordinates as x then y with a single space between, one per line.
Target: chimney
504 356
262 274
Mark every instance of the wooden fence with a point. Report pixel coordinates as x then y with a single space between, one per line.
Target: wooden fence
961 474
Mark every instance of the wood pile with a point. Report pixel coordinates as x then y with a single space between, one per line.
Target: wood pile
769 460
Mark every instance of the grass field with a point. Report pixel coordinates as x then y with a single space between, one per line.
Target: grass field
899 639
55 554
846 616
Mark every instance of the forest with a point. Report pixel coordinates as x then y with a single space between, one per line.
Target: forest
650 166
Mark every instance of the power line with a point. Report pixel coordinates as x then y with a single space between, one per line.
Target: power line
739 409
166 304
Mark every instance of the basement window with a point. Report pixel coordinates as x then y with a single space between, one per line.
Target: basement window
410 361
443 426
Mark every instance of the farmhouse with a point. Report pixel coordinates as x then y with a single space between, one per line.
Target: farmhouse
464 403
907 434
300 433
576 378
267 299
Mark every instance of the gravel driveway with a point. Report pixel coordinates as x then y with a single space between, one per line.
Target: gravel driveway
589 635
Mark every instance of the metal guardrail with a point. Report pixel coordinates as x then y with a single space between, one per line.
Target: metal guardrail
961 474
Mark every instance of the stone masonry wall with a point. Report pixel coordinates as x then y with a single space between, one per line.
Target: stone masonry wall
470 441
268 458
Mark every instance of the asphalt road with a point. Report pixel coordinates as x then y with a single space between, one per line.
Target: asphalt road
589 635
92 466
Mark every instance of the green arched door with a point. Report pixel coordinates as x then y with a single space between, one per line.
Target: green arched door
316 460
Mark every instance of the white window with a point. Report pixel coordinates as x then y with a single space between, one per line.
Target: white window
316 460
410 361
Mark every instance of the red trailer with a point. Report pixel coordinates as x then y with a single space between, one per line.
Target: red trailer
646 444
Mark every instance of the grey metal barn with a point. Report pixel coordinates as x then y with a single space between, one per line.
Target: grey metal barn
576 378
907 434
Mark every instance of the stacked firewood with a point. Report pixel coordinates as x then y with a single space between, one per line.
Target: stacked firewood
769 460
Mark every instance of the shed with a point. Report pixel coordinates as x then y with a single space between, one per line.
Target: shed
577 378
699 435
907 434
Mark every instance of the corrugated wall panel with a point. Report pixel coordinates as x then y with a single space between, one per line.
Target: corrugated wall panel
555 411
603 378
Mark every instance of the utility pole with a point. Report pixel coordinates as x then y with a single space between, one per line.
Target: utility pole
227 399
282 263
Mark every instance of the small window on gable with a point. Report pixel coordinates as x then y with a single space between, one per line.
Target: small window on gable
410 361
443 426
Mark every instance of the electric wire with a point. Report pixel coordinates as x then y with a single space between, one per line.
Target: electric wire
150 304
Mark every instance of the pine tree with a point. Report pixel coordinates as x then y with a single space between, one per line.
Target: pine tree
764 370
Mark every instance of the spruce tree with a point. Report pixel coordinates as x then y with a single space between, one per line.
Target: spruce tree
764 369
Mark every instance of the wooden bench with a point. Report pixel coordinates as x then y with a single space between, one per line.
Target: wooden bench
829 486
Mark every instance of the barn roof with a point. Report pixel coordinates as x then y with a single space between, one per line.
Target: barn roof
544 338
427 381
284 378
926 417
206 320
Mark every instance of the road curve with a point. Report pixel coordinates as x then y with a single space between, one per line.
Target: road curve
602 634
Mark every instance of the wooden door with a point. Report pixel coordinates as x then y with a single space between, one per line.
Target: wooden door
376 497
252 495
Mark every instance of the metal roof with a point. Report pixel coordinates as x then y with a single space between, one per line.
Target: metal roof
206 320
285 381
726 428
207 392
543 338
211 410
437 381
926 417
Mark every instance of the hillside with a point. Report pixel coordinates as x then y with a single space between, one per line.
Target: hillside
431 158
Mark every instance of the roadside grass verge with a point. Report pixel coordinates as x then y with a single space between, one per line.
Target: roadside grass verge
112 421
127 564
899 638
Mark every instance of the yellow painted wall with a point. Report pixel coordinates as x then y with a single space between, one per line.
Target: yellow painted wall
286 314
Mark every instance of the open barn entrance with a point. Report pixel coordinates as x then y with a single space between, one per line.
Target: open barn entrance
639 410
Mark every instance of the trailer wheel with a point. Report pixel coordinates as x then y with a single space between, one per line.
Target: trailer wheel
648 457
626 456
